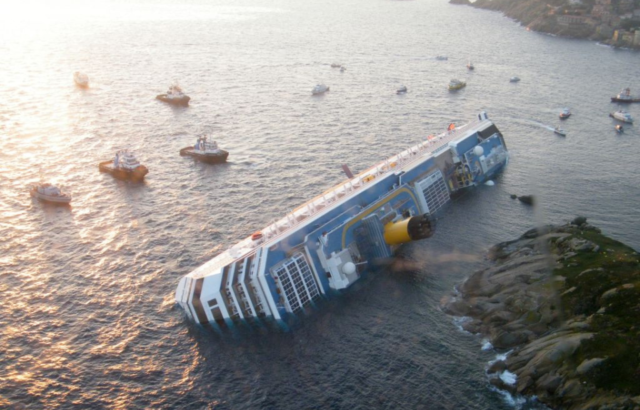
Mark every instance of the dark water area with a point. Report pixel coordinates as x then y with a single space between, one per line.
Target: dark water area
88 318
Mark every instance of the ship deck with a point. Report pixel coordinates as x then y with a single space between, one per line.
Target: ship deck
334 196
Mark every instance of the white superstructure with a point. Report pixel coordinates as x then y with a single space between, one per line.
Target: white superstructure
326 244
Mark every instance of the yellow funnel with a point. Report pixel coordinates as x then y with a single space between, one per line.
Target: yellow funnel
407 230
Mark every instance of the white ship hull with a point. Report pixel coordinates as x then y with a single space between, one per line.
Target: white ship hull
330 242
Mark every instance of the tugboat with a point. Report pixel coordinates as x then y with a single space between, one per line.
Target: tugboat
565 114
401 90
514 79
621 116
81 79
124 166
174 96
319 89
50 193
619 129
560 131
456 85
625 97
205 151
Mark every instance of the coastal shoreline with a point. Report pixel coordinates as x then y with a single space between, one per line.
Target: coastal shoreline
560 304
573 19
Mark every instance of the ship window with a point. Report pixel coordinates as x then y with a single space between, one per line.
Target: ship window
434 192
296 279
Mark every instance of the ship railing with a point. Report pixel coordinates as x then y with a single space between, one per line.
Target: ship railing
298 215
398 161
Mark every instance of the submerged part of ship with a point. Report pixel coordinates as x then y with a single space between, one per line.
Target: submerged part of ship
330 242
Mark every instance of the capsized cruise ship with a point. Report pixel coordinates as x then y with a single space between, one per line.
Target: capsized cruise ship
330 242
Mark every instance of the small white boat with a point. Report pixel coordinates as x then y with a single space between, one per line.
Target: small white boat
566 113
401 90
81 79
174 96
470 65
456 85
205 151
319 89
49 193
514 79
622 116
559 131
442 58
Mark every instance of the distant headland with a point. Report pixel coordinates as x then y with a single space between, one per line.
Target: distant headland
564 301
613 22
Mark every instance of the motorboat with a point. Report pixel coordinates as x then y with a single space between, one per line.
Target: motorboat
81 79
621 116
124 166
566 113
401 90
49 193
336 65
456 85
560 131
205 151
174 96
619 129
470 65
625 97
514 79
319 89
442 58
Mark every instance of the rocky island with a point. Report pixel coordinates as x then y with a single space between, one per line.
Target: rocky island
614 22
564 301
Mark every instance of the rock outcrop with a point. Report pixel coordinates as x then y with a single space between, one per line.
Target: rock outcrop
565 300
537 15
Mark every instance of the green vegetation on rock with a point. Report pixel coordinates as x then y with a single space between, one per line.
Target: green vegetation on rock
595 19
566 301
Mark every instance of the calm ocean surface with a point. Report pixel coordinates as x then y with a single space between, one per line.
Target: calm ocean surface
87 317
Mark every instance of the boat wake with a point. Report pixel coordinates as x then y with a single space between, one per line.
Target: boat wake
542 125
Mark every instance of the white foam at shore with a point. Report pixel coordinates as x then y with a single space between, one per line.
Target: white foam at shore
508 377
461 320
514 401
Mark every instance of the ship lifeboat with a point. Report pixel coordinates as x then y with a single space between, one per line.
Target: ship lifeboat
256 236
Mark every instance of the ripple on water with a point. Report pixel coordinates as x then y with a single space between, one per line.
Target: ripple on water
88 317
